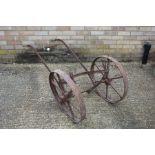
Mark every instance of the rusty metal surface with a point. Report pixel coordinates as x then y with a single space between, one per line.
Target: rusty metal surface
121 74
67 93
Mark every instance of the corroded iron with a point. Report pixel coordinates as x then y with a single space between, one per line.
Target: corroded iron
108 78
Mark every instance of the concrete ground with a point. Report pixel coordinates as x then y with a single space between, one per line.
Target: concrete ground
26 100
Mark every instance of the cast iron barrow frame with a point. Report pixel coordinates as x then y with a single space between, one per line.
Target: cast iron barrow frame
66 91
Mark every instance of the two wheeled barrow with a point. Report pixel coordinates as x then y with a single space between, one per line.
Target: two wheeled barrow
108 81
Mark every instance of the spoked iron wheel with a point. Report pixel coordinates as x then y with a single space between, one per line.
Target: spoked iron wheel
67 95
111 79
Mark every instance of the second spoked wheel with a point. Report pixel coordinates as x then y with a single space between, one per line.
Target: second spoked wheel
112 79
67 95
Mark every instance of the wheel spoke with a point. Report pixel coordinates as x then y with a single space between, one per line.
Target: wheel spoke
115 90
69 102
103 65
115 79
118 77
63 81
65 97
106 90
99 70
70 94
108 64
53 83
56 80
57 86
60 83
65 100
95 85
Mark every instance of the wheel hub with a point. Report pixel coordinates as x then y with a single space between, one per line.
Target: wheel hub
107 81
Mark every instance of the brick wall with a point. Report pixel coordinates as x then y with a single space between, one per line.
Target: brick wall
124 42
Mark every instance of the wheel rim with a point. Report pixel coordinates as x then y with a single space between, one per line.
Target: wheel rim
113 79
67 95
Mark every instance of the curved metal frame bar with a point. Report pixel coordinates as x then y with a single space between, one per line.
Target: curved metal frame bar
42 60
71 52
87 72
70 78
